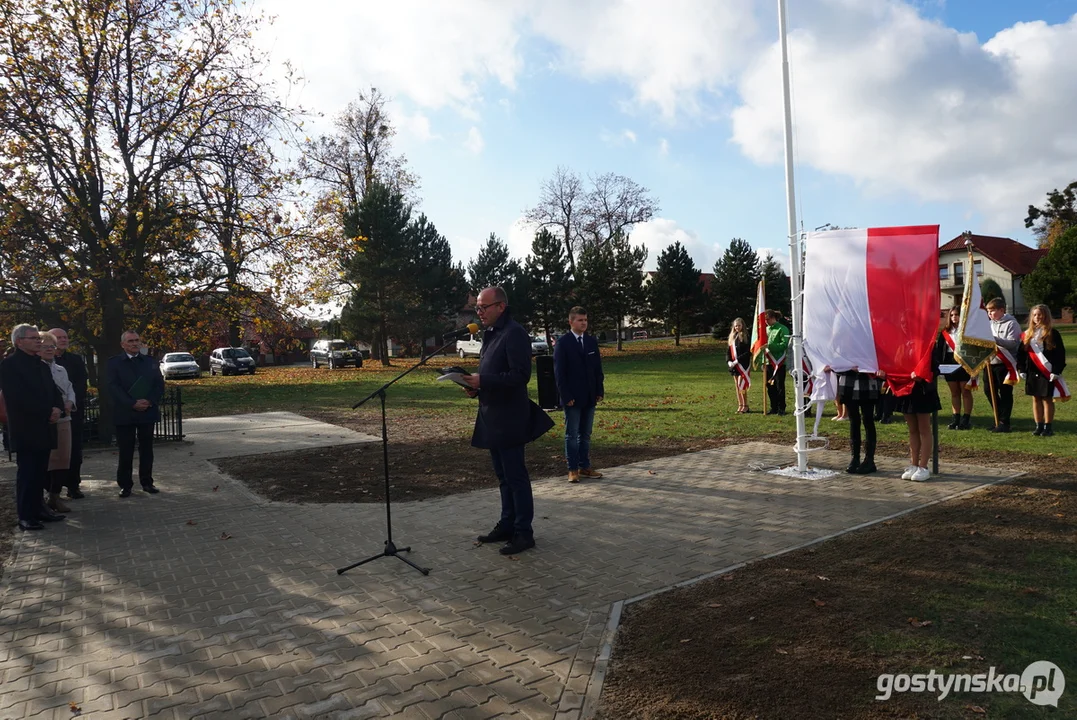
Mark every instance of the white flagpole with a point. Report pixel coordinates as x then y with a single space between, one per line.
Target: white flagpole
794 250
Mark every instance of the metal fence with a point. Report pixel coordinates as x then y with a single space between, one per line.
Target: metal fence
168 427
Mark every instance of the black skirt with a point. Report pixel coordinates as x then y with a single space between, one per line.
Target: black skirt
924 398
960 375
857 387
1037 384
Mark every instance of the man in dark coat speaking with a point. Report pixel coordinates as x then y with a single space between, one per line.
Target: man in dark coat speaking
507 419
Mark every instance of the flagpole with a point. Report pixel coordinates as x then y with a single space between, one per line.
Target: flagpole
794 246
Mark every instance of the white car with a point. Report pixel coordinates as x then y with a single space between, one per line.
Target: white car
470 346
539 346
180 365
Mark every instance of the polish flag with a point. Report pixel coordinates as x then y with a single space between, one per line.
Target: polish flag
759 327
871 301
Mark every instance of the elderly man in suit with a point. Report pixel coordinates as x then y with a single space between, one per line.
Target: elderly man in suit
507 419
577 368
33 405
136 387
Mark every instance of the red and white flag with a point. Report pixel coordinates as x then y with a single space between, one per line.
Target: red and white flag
759 327
871 301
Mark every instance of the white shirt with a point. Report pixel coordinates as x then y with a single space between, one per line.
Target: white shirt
59 376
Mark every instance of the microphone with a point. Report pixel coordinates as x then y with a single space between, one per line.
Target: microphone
469 329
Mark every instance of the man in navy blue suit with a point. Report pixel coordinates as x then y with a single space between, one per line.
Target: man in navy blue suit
507 419
577 368
136 386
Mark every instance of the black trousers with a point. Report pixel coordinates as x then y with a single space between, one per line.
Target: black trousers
74 472
776 390
1003 392
125 441
517 503
862 410
32 466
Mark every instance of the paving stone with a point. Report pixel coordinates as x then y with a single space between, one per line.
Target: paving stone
139 614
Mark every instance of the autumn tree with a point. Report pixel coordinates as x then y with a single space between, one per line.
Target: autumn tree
676 293
1056 217
103 106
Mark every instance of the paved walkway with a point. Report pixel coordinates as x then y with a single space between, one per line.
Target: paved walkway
204 601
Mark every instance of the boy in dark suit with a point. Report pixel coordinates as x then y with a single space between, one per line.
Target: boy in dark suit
577 368
136 386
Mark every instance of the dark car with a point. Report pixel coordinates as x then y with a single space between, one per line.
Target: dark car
334 353
230 361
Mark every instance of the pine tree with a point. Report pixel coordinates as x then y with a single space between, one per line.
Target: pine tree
779 291
733 290
676 293
550 285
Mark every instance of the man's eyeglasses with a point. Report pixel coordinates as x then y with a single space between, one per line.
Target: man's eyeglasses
484 308
31 337
48 347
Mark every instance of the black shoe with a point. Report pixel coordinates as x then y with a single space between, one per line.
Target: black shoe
1002 428
887 420
75 494
866 468
1039 430
853 466
955 423
965 424
125 492
1047 431
517 545
150 489
47 515
498 534
30 525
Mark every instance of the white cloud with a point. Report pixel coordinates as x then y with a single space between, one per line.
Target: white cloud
782 256
416 125
903 104
663 147
659 233
474 142
521 234
617 139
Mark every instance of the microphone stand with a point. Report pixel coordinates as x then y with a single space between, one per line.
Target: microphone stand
391 550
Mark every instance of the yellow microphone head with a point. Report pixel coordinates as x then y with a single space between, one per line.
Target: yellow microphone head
472 328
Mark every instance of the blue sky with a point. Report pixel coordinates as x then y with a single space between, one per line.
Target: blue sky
906 112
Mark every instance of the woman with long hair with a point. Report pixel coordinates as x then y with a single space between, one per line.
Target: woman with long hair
740 357
958 380
1041 362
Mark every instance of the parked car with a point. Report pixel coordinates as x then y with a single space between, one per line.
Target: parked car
334 353
640 335
230 361
471 346
539 346
180 365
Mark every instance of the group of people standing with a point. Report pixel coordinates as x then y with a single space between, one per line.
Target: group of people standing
1037 357
43 388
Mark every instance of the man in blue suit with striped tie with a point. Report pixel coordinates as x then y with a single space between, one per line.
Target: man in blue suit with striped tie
577 368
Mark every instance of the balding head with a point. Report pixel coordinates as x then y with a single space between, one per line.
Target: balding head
61 339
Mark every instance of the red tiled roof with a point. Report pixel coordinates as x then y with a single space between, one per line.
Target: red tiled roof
1013 256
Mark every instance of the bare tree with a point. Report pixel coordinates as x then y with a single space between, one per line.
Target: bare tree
614 206
561 205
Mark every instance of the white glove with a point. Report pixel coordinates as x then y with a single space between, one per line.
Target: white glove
1053 377
1022 375
731 363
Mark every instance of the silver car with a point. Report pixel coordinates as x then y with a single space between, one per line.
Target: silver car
180 365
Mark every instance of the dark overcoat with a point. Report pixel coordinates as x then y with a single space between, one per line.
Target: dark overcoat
507 417
123 372
578 370
30 394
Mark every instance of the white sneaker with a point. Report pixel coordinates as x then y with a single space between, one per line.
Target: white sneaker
907 475
920 475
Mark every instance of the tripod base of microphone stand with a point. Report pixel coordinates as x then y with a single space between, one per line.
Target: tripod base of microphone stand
391 550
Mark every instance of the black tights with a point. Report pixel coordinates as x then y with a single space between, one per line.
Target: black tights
862 410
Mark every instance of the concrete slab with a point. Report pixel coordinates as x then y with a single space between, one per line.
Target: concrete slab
205 601
257 433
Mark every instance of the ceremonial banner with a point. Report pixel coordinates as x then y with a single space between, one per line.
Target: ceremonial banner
974 343
759 327
871 301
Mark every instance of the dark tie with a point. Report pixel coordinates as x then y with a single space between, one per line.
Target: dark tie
581 343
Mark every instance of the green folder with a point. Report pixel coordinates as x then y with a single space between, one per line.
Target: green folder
140 389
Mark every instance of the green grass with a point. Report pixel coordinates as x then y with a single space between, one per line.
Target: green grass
653 392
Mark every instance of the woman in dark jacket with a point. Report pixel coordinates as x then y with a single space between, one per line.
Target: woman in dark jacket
1041 362
958 380
740 360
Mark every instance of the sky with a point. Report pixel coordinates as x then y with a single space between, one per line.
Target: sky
906 112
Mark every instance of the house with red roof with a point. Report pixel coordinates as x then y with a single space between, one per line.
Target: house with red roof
1005 261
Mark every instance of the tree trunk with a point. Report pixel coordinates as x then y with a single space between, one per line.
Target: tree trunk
620 333
105 346
383 330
